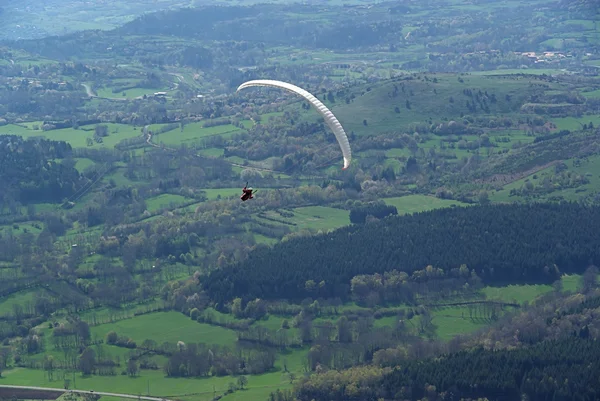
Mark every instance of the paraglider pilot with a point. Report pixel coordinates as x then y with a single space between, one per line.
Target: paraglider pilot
247 193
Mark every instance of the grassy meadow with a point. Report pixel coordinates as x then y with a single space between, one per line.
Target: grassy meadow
174 326
77 138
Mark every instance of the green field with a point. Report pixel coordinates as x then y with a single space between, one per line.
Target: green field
219 193
527 293
34 227
316 218
575 123
588 168
24 299
320 217
383 82
258 389
131 93
420 203
453 321
167 327
192 133
83 163
173 326
169 201
376 108
76 137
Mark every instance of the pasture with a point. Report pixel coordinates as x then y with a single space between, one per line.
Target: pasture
173 326
77 138
320 217
156 384
166 201
587 169
221 193
192 134
167 327
311 218
575 123
420 203
393 106
23 299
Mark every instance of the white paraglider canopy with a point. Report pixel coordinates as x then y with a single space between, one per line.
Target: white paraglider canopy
330 119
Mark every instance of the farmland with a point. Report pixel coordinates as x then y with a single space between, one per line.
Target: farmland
126 147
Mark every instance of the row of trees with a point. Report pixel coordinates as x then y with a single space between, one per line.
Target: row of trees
199 360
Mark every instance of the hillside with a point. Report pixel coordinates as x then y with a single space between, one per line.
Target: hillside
128 262
502 244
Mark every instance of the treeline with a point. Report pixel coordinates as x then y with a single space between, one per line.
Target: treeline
502 243
359 215
199 360
29 174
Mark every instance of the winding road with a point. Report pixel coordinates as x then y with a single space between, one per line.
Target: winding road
60 390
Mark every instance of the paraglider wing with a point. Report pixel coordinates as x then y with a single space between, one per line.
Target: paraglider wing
330 119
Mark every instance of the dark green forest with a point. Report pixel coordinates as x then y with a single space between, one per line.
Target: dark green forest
504 375
30 173
503 243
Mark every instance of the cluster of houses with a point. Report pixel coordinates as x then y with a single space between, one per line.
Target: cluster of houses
544 57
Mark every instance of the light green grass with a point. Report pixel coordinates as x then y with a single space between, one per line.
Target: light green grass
320 217
159 385
311 217
212 152
453 321
261 239
168 327
258 389
516 293
119 179
12 129
396 153
571 282
420 203
592 94
513 71
21 298
389 321
590 169
429 101
193 132
574 123
214 193
83 163
129 93
77 137
165 201
103 315
273 322
21 228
